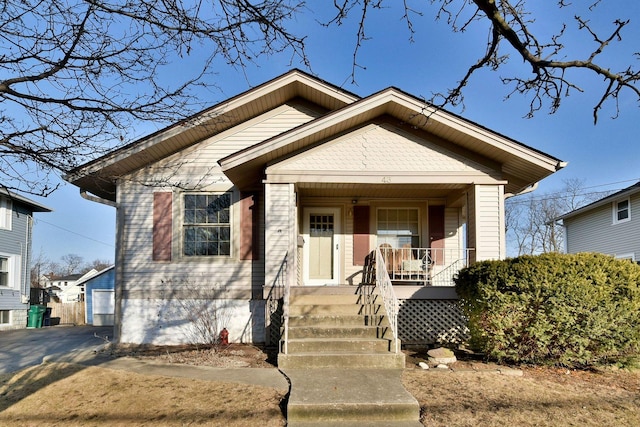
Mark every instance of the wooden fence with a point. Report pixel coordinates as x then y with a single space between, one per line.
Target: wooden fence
67 312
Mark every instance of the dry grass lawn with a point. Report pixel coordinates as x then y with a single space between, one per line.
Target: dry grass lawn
60 394
473 394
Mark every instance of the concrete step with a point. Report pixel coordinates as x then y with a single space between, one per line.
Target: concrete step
319 290
324 309
364 360
296 332
324 299
340 345
353 397
338 320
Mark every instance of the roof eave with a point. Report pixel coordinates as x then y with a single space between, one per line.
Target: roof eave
98 176
416 113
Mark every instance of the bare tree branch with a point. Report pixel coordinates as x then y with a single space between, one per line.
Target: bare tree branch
77 76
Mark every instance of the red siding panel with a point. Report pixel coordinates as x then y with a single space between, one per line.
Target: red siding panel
162 226
436 233
360 234
248 227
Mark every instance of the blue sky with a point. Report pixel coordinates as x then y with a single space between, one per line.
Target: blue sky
606 156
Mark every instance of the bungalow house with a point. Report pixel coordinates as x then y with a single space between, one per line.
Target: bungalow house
16 229
610 225
296 185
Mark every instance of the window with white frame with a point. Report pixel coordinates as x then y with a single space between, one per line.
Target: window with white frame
399 227
5 213
5 317
4 271
207 224
621 211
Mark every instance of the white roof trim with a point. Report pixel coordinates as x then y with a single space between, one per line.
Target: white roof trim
381 101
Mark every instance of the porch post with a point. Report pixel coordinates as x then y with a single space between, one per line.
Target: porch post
485 216
280 235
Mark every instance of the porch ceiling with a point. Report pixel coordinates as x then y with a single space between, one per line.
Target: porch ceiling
368 191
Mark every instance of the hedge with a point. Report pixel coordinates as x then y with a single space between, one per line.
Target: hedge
576 310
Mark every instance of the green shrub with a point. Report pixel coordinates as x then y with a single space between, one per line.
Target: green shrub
575 310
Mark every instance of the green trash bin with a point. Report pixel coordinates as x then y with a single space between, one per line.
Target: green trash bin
35 316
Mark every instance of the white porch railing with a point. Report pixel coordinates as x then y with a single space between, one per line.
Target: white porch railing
391 303
424 266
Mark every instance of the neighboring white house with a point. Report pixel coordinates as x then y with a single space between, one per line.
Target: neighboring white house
68 288
293 183
610 225
16 228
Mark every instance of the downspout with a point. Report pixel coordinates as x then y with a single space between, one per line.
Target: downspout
25 287
119 259
528 189
85 195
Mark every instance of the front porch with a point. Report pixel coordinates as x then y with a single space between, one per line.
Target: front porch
414 312
424 266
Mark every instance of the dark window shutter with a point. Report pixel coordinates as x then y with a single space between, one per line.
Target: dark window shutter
436 233
360 234
162 226
248 226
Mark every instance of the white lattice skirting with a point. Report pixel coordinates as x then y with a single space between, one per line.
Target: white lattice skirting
431 321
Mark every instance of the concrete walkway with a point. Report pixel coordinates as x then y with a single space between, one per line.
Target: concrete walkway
266 377
364 397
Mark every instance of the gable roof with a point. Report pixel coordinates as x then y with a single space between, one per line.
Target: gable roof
98 176
30 204
624 193
519 164
92 276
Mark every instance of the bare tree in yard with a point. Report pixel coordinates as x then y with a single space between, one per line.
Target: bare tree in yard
509 24
529 218
71 263
76 75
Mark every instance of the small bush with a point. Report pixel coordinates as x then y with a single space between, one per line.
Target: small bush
574 310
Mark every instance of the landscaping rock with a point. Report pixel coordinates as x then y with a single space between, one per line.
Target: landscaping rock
441 356
423 365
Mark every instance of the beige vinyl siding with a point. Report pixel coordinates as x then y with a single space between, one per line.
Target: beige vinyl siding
195 168
486 222
280 235
594 231
452 234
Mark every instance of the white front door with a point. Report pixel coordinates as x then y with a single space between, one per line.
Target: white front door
321 252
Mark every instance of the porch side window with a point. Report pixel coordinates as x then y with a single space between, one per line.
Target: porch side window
399 227
622 211
207 224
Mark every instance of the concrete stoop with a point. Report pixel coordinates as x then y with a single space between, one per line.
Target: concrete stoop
364 397
341 361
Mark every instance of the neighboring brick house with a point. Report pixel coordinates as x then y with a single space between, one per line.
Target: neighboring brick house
293 184
610 225
16 228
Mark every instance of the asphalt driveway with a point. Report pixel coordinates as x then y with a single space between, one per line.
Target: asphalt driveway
27 347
